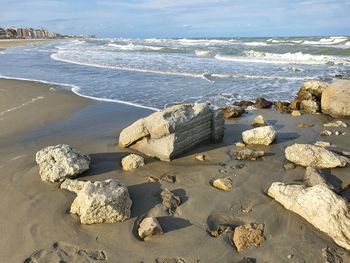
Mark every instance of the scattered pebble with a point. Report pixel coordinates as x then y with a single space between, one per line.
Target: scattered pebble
305 125
152 179
168 178
200 157
322 144
170 200
248 154
336 124
247 210
290 256
223 184
296 113
326 133
240 166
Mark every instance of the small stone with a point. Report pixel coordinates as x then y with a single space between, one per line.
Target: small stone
170 200
247 210
240 144
304 125
262 135
345 153
57 163
149 227
289 166
239 166
330 255
262 103
168 178
322 144
232 112
152 179
296 113
248 235
259 121
335 124
223 184
326 133
248 154
200 157
132 161
290 256
337 133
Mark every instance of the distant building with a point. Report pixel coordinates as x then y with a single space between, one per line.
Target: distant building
2 33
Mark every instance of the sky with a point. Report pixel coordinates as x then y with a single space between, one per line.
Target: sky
181 18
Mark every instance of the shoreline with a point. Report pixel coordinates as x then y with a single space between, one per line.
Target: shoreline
11 43
93 127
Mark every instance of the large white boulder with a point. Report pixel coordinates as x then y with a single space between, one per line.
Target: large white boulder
335 99
262 135
59 162
99 202
172 131
314 156
319 205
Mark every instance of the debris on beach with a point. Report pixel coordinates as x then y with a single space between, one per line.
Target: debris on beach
132 161
56 163
166 134
262 135
99 202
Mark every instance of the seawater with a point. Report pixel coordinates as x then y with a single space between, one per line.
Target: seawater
154 73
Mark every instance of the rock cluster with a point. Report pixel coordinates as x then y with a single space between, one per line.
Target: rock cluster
262 103
59 162
248 235
314 156
132 161
319 205
332 99
262 135
232 112
99 202
172 131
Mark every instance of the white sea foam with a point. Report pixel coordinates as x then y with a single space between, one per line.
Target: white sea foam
256 44
135 47
204 53
75 89
246 76
285 58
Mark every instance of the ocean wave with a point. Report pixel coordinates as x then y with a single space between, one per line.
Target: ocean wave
56 56
213 76
285 58
131 46
327 41
204 53
77 90
255 44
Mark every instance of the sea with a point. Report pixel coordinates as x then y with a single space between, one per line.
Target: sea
157 72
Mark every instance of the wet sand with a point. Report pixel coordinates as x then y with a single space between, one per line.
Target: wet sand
8 43
34 215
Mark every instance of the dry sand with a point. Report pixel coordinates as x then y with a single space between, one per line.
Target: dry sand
7 43
34 216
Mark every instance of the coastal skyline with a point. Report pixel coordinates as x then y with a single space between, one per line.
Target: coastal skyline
194 18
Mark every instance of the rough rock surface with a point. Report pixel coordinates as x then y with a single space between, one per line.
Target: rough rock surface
336 99
282 106
200 157
170 200
262 103
319 205
262 135
132 161
248 154
232 112
149 227
244 103
59 162
314 156
248 235
223 184
314 177
322 144
259 121
99 202
170 132
309 96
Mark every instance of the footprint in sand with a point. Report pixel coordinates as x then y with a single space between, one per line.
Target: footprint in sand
62 253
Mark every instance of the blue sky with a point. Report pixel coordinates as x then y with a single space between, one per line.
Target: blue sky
181 18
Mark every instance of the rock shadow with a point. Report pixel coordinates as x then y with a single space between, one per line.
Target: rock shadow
283 137
170 223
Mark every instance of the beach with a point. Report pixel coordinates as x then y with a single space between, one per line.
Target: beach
35 216
8 43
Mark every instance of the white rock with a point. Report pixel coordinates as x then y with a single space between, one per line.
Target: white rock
314 156
148 227
132 161
59 162
99 202
322 144
175 130
319 205
259 121
335 99
262 135
335 124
